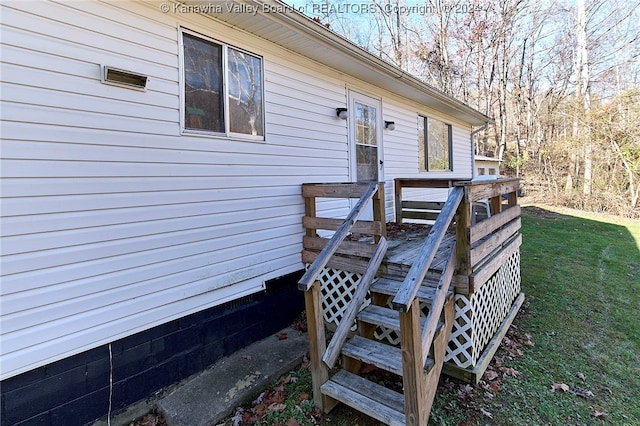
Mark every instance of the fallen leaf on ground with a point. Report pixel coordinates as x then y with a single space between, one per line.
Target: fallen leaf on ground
465 390
259 399
277 407
511 372
281 336
486 413
490 375
292 422
559 386
583 393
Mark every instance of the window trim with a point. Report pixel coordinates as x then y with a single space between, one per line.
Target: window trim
425 139
227 133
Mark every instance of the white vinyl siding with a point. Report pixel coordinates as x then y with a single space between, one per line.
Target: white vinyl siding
401 157
112 221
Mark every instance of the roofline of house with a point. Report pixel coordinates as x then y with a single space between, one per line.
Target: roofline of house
345 57
345 46
338 42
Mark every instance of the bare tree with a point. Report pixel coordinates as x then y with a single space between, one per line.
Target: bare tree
560 78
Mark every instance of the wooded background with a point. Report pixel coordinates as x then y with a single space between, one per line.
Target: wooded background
561 79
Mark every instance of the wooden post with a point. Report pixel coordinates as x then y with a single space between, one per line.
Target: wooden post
397 192
496 204
317 346
310 211
413 376
439 352
379 213
513 199
463 247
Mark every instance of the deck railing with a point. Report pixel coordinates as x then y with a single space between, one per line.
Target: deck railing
483 247
321 355
338 237
479 251
416 342
424 210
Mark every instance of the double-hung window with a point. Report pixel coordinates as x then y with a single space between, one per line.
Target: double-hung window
434 144
223 88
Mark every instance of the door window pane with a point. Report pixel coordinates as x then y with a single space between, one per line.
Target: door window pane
367 163
366 136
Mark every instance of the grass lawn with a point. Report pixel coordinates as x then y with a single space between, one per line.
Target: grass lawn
581 276
578 332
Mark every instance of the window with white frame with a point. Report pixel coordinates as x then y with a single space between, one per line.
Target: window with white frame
434 144
223 88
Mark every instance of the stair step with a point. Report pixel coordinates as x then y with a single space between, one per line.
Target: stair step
384 317
388 318
386 357
367 397
390 287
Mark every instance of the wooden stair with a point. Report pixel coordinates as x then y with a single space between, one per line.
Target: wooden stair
423 341
373 399
378 402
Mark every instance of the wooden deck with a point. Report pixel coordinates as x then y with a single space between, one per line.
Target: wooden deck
403 251
394 281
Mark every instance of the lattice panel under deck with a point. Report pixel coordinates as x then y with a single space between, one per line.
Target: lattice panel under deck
479 315
336 289
392 336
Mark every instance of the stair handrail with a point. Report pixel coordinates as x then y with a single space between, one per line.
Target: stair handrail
409 288
429 329
342 331
338 237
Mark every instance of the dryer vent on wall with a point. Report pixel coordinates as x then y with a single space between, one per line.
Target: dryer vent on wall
123 78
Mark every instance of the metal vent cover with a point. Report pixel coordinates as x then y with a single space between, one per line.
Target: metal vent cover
124 78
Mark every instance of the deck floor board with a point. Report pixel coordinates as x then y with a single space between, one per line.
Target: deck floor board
402 253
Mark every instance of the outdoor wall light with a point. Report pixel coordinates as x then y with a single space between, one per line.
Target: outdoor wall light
342 113
390 125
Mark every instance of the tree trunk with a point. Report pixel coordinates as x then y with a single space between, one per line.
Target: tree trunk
582 75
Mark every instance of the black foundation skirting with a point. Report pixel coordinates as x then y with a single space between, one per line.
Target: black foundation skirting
75 390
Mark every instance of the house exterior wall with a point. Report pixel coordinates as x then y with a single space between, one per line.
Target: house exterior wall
114 220
401 152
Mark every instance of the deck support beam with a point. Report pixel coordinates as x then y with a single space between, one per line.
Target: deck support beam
413 376
317 347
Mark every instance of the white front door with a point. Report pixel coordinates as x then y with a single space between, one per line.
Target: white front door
365 135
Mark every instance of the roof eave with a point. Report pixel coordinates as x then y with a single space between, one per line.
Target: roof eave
389 76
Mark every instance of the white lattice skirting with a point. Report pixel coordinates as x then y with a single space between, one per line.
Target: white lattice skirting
477 317
336 289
